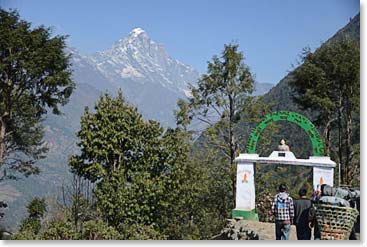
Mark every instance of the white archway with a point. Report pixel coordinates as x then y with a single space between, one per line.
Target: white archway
323 173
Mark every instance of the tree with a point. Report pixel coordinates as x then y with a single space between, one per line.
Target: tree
35 76
37 208
192 211
59 229
328 83
143 175
99 230
31 226
218 102
77 197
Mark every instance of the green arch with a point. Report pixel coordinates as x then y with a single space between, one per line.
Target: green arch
317 143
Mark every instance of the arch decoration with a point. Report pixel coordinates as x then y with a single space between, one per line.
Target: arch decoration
296 118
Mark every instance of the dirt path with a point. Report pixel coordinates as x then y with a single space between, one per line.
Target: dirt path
266 231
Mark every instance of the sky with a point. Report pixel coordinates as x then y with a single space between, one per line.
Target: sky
270 33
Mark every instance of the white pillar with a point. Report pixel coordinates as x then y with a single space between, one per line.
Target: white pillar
322 175
245 193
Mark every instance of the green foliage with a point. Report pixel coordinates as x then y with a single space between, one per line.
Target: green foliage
63 228
144 176
222 103
26 234
31 226
37 208
35 76
263 206
116 138
355 161
140 232
99 230
219 103
193 207
154 192
127 157
59 229
221 94
325 75
328 83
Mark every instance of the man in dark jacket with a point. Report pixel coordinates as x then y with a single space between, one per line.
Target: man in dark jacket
312 216
283 210
301 211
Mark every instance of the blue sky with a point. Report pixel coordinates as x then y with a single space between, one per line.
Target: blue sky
271 33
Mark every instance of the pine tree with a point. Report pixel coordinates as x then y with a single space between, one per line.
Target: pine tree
35 76
31 226
218 102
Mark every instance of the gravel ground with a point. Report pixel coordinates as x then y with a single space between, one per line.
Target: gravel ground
266 231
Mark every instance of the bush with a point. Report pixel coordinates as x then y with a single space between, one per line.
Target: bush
99 230
59 230
140 232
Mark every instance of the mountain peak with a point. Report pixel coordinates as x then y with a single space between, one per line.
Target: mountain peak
138 58
136 36
137 31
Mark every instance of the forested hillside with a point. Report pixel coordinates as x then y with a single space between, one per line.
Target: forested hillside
282 97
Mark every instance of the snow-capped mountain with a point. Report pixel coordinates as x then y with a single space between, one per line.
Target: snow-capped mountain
142 60
149 78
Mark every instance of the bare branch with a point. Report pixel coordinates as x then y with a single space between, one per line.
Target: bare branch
205 121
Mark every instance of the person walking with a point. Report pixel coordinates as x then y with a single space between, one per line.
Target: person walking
283 210
313 224
312 215
301 215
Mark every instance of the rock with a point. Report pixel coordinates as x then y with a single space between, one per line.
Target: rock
249 230
237 229
230 223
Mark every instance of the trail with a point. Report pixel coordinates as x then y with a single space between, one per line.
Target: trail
266 231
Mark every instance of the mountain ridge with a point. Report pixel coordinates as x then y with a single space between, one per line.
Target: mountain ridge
143 60
281 94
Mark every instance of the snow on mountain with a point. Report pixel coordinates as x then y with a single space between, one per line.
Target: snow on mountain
143 61
137 31
149 78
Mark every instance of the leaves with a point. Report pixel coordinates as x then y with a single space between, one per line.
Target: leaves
31 226
328 83
143 174
35 76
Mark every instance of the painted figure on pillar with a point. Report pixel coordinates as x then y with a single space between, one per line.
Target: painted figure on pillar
245 177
